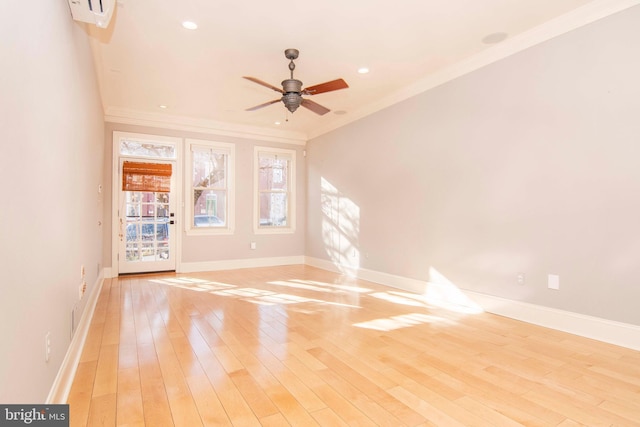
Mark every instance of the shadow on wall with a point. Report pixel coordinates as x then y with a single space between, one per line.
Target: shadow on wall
340 228
340 233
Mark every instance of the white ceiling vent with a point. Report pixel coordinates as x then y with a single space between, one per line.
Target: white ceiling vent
97 12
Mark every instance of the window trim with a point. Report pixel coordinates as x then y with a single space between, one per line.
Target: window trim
291 193
189 228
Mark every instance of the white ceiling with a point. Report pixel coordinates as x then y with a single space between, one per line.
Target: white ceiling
145 58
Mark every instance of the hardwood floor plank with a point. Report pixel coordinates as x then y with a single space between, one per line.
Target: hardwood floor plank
374 402
340 405
106 380
424 408
275 420
326 417
154 397
103 411
296 345
627 410
253 394
80 393
209 406
440 403
500 397
294 385
291 409
575 410
488 415
234 404
129 398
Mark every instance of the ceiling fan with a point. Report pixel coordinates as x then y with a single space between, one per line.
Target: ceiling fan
292 90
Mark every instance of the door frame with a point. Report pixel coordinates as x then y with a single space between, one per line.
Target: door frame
177 193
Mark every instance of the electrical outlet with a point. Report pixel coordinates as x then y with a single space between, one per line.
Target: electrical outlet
73 321
82 289
520 279
47 346
253 245
554 281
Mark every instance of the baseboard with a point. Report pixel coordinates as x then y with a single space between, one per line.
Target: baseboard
617 333
192 267
612 332
61 387
233 264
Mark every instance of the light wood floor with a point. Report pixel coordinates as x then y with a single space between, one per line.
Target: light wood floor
301 346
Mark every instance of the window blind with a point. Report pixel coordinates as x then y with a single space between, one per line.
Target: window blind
139 176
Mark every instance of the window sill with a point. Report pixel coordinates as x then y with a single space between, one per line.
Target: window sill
209 231
274 230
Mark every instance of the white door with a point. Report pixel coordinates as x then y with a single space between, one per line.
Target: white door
147 230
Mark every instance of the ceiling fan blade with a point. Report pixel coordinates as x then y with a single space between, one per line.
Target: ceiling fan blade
265 84
315 107
257 107
326 87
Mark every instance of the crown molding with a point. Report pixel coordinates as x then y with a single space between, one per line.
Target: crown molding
577 18
167 121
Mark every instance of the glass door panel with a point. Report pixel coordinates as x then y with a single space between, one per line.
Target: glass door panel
146 242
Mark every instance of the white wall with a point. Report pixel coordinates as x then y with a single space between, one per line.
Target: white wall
51 134
527 165
206 250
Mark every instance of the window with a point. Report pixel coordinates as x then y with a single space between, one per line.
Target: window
143 148
274 205
210 186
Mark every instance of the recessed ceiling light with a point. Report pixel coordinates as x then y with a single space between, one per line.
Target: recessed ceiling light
189 25
162 106
276 123
363 70
494 38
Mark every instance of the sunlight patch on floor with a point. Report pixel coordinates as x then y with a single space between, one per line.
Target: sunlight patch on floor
295 284
443 293
193 284
347 288
439 293
402 321
398 299
319 286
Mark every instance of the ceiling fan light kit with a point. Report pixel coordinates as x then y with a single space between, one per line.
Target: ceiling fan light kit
292 89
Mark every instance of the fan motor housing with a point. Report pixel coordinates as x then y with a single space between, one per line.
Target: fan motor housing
291 85
291 97
292 101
